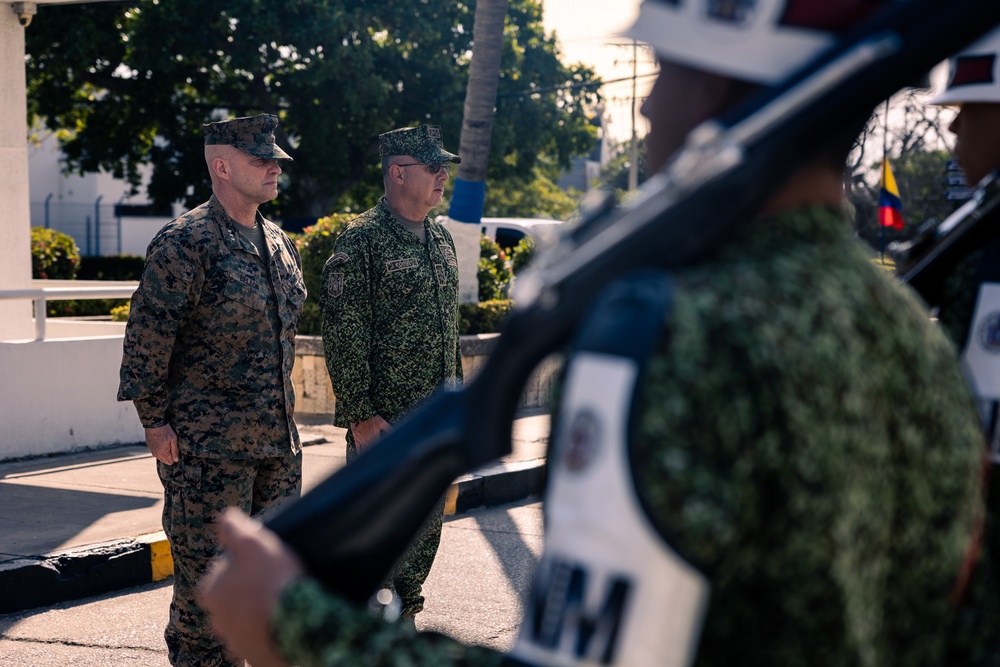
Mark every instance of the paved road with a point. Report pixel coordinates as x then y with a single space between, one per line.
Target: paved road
486 561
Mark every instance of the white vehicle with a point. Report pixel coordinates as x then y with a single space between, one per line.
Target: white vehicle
508 232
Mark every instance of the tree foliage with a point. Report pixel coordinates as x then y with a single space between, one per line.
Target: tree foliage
147 75
614 174
536 195
916 141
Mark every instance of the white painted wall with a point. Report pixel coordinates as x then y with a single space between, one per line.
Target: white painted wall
77 205
466 238
56 395
59 395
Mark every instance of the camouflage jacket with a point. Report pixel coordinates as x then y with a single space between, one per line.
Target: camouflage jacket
201 350
805 436
390 316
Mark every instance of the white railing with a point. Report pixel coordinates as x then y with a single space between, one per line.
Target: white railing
40 295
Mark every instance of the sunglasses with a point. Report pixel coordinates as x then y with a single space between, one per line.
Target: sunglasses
434 169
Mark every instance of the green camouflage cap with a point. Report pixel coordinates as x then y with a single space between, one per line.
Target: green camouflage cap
252 134
422 143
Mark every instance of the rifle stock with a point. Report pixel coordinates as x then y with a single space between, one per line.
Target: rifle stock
352 527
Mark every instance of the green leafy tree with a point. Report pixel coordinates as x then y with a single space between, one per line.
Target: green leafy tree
921 177
537 196
915 137
615 173
137 89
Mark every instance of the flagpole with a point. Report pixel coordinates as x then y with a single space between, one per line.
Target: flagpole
885 161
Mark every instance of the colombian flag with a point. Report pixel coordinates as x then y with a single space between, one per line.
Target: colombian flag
890 208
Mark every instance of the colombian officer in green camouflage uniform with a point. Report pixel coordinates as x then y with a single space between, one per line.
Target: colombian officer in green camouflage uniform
208 356
802 434
390 314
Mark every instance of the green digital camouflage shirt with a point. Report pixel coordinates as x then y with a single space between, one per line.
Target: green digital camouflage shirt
805 435
202 351
390 316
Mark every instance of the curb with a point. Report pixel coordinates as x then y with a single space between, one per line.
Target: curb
81 572
104 567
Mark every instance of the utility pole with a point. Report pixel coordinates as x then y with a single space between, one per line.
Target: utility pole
633 170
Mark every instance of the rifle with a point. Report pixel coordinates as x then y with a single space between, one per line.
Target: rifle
351 528
924 263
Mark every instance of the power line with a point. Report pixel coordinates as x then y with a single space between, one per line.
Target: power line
573 86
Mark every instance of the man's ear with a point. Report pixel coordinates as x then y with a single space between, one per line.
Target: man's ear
221 168
397 177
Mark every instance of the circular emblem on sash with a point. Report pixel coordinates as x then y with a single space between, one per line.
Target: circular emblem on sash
989 333
581 441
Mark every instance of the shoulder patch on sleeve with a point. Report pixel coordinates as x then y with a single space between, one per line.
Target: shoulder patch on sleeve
335 284
337 258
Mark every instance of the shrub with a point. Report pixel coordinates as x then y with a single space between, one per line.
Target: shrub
121 313
483 317
493 274
522 254
315 246
119 267
82 307
54 255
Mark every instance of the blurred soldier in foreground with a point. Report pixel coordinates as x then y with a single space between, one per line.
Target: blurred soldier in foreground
799 482
208 357
390 316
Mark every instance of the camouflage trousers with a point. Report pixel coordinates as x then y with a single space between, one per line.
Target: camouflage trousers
411 571
195 490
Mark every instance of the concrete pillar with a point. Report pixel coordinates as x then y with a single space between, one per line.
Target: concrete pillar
15 215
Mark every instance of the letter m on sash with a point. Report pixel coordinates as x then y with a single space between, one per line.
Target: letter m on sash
559 620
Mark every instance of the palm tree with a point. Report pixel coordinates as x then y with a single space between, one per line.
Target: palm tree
474 144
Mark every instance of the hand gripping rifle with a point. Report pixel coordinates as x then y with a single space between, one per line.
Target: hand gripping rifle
351 529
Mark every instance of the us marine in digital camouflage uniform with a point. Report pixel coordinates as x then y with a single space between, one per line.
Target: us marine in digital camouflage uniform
390 315
208 356
804 441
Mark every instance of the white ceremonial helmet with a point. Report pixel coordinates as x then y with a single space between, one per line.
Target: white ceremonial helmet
974 74
759 41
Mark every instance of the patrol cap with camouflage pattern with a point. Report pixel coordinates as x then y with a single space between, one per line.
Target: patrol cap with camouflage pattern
251 134
422 143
